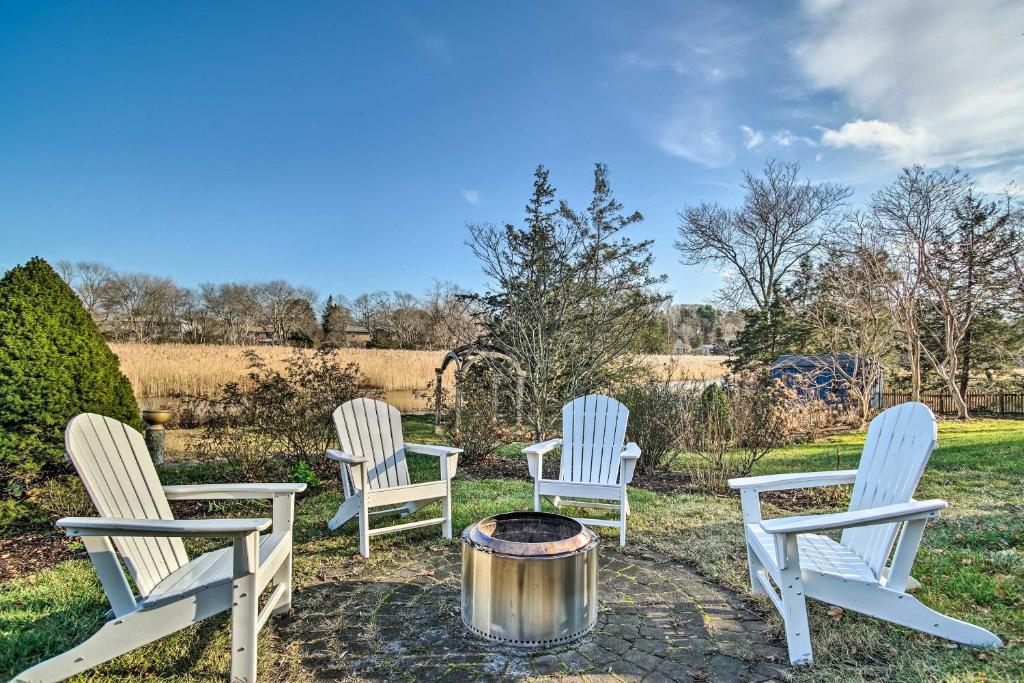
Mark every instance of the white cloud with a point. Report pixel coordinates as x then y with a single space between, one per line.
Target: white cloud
938 83
783 138
693 134
471 196
787 138
875 134
751 138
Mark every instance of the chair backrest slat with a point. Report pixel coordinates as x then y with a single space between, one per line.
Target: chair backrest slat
373 429
896 451
593 433
116 469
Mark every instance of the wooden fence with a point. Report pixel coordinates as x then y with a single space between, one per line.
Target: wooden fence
982 402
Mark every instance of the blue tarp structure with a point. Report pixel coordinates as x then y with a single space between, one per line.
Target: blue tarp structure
823 375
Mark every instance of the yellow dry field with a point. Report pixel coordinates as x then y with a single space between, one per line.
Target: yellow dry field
168 369
687 367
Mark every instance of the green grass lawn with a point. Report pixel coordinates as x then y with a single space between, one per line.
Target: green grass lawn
970 565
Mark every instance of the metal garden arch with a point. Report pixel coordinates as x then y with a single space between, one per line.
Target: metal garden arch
465 357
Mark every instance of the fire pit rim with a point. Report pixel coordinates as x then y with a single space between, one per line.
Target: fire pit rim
477 538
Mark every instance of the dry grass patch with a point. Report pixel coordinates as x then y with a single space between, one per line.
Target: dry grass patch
157 370
169 369
687 367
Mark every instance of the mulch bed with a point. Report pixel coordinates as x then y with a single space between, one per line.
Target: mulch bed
32 552
665 482
503 467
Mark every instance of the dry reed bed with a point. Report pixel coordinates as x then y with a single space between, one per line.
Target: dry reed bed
166 369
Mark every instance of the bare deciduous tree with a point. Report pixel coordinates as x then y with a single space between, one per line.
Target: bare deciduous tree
286 309
969 270
905 218
851 321
143 307
234 309
782 220
91 282
450 315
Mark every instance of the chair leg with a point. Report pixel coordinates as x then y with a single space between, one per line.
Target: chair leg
536 496
364 531
116 637
794 615
446 506
623 505
906 610
754 566
346 511
283 577
244 612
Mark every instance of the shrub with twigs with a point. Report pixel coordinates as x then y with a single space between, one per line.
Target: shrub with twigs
731 428
658 413
280 417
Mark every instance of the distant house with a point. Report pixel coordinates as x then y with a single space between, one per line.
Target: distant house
357 335
824 375
262 335
679 346
706 349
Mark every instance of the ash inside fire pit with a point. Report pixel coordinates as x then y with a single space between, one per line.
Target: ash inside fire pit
536 528
529 578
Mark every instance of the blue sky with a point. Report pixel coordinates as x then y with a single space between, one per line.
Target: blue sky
345 146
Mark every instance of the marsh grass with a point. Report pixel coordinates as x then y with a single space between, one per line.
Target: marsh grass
161 370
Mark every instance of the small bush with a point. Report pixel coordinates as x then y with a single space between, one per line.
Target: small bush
278 418
806 416
63 497
480 430
302 472
658 413
730 436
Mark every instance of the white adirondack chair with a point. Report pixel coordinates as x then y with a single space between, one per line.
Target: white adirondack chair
173 592
854 573
595 465
375 473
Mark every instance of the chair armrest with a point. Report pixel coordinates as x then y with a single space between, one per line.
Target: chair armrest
535 456
113 526
803 480
230 491
430 449
542 447
627 461
345 457
884 514
447 456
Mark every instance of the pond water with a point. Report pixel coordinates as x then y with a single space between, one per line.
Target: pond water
407 401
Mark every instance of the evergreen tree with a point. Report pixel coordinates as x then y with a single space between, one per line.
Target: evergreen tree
985 245
570 298
761 339
325 317
54 364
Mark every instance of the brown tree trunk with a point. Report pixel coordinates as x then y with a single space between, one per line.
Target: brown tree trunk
914 353
965 369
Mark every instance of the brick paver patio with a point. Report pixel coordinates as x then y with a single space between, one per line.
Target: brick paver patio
396 617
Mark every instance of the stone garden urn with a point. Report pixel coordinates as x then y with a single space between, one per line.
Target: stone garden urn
155 432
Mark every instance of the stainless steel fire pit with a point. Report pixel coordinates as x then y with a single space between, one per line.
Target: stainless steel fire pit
529 579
